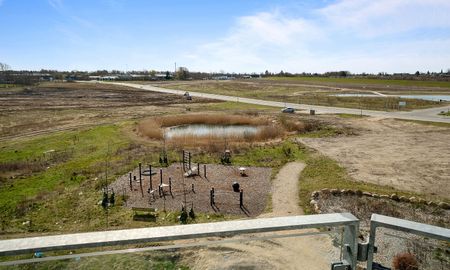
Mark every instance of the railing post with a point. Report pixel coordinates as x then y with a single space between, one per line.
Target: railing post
371 247
350 249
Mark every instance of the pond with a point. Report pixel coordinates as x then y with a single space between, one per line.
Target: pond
203 130
423 97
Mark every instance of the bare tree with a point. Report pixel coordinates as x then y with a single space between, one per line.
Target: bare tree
4 67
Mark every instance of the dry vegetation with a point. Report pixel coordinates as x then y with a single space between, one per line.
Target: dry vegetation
269 129
317 92
64 106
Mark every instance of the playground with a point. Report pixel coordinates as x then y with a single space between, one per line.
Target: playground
207 188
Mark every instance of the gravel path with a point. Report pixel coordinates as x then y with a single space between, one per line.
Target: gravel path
307 252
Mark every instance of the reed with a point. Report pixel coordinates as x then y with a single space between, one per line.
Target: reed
153 129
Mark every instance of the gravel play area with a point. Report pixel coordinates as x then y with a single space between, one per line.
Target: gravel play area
256 187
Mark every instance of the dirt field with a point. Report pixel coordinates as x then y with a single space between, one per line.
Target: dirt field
404 155
256 186
59 106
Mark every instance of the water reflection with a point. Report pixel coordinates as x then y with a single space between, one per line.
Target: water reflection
202 130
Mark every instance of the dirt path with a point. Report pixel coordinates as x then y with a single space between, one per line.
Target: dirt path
285 190
307 252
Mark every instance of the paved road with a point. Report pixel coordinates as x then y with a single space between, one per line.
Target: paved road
422 115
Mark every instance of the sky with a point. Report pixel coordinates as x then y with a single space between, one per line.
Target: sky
232 36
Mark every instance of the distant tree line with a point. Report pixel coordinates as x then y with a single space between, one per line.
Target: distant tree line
29 77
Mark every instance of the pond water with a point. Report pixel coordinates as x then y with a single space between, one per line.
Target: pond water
202 130
424 97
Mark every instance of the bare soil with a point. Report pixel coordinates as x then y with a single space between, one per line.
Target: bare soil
54 107
404 155
256 187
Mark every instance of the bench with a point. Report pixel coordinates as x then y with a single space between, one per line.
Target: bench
147 211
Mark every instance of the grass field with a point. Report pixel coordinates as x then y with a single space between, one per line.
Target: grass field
310 93
362 81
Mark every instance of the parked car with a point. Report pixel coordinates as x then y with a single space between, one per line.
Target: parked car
288 110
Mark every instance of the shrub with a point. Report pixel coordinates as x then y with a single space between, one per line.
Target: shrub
405 261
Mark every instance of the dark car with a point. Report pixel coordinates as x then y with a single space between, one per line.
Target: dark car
288 110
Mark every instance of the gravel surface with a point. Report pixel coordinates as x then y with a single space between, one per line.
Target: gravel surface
256 186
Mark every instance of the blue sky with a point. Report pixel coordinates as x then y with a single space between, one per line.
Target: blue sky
232 36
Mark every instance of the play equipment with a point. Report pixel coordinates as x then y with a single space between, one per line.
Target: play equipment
226 157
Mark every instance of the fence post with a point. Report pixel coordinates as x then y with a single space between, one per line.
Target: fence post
241 198
170 185
182 158
150 172
204 169
131 182
190 160
160 177
140 172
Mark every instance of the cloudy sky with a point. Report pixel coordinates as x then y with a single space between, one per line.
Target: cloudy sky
233 36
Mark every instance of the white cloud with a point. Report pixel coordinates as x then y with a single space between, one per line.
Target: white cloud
267 34
355 35
56 4
370 18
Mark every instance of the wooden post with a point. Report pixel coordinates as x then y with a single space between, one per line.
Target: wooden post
190 160
211 197
212 190
198 169
170 185
160 177
150 172
204 170
131 183
140 172
142 191
241 198
182 158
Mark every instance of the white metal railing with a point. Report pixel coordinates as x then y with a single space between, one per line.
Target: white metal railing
351 250
347 221
407 226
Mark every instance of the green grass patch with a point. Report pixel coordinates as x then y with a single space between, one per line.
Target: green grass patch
6 85
428 123
231 105
322 172
445 113
348 115
84 148
158 260
364 81
303 94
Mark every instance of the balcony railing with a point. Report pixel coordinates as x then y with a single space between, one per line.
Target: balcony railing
259 228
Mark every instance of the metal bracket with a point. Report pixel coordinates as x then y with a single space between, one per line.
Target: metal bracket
363 251
340 266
